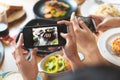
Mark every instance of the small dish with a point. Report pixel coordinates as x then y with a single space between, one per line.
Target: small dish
53 76
41 63
105 43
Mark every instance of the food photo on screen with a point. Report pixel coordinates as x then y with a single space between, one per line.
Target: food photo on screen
45 36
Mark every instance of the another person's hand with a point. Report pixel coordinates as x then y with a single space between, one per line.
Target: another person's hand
105 23
70 48
28 69
86 40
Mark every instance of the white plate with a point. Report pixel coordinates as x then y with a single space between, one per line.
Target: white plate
112 1
104 45
89 7
1 52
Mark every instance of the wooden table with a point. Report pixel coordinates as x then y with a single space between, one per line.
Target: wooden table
9 62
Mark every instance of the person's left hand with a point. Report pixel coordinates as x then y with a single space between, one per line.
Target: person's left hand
86 40
28 69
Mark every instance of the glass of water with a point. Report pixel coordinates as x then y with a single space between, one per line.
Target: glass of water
4 31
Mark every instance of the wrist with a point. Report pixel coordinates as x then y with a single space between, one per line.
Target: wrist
95 56
119 21
75 62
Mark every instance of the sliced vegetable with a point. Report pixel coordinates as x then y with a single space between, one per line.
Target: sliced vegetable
56 63
35 38
61 63
51 65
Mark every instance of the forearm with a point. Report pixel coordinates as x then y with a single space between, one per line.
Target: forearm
117 21
95 56
75 63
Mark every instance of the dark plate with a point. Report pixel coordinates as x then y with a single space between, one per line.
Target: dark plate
38 11
41 22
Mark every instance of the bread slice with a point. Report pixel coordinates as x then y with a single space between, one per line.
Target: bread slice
10 9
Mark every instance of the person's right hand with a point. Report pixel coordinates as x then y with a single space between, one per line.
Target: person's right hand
70 48
105 23
28 69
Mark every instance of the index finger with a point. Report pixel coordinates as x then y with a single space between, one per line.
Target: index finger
74 21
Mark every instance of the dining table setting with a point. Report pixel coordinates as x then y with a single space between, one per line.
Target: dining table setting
22 14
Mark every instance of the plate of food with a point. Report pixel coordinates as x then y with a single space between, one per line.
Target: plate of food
10 75
55 9
56 66
14 12
104 9
112 1
109 45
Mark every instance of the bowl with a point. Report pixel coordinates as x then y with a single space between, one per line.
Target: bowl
53 76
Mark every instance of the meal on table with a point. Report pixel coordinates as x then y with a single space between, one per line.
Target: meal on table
107 10
14 12
116 46
56 63
55 9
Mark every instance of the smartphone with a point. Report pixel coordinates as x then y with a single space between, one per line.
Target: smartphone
90 23
44 36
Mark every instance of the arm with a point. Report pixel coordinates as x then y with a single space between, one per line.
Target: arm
105 23
28 69
70 49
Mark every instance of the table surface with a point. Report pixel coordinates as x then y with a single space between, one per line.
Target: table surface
8 63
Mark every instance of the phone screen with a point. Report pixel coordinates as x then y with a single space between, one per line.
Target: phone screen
44 36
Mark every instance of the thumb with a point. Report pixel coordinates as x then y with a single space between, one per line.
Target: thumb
33 55
63 35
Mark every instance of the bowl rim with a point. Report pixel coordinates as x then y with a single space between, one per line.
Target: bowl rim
40 69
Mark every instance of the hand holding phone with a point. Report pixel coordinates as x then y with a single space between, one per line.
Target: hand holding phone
44 36
90 23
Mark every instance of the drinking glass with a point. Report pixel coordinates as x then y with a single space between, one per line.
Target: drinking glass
4 32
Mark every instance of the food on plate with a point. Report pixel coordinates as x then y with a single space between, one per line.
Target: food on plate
10 8
14 12
54 9
56 63
13 76
116 46
107 10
